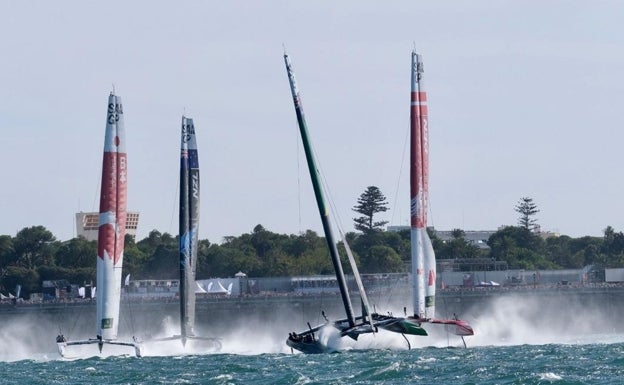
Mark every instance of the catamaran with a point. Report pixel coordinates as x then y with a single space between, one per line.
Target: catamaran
189 237
352 325
422 254
112 230
423 257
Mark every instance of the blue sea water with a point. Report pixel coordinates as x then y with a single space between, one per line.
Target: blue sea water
584 363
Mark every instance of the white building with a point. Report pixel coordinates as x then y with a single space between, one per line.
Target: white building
477 238
87 224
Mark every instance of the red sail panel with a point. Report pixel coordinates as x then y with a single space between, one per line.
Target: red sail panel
112 207
113 196
432 278
424 138
416 154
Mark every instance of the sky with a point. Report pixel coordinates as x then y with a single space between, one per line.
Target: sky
525 99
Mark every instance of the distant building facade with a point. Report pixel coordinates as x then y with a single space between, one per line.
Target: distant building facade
154 288
87 224
477 238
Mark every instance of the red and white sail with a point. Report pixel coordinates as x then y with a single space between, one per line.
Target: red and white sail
112 221
111 233
423 257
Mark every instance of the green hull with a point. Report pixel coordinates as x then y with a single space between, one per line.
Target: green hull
409 327
399 325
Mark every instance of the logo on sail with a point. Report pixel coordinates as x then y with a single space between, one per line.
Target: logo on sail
107 323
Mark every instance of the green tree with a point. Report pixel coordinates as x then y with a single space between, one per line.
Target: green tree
262 241
527 209
77 252
28 278
7 252
224 261
309 254
612 250
370 202
299 244
399 244
148 245
34 246
521 248
134 260
382 259
163 255
362 242
457 247
559 251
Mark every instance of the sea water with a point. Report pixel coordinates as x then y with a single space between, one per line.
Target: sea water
516 341
582 362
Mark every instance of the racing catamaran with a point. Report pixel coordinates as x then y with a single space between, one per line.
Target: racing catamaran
189 238
423 257
352 326
112 230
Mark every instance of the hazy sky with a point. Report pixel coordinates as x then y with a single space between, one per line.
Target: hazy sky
525 99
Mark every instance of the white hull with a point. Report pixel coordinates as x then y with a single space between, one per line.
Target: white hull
108 296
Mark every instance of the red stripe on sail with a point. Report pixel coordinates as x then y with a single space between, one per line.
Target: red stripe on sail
112 206
416 181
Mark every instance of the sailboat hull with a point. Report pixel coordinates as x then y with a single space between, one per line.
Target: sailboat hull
403 325
310 346
307 342
136 345
455 326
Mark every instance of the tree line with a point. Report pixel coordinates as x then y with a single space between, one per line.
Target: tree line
34 254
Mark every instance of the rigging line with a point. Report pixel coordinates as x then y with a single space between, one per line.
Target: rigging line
356 281
298 177
129 308
333 209
330 199
325 187
396 191
352 263
318 315
76 320
389 294
125 304
376 296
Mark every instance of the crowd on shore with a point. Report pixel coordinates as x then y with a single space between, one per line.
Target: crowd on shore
273 294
